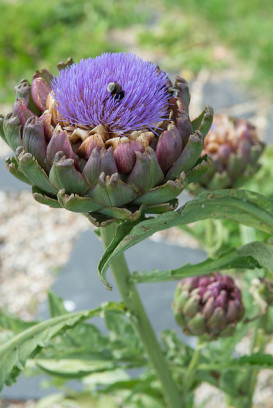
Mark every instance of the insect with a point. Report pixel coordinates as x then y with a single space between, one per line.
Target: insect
173 91
116 90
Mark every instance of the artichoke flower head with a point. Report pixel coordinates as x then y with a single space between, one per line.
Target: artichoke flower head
235 148
109 137
209 306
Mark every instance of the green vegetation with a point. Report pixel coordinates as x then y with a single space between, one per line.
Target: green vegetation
243 25
37 34
184 35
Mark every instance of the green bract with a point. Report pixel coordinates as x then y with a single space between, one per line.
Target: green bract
91 170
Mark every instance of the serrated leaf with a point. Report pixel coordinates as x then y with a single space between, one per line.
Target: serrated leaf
250 256
242 206
14 354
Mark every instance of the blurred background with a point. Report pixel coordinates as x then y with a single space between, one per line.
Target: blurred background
223 48
186 36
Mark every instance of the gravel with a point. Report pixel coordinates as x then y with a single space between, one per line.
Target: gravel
35 243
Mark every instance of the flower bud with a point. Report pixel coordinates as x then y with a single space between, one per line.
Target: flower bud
211 305
235 149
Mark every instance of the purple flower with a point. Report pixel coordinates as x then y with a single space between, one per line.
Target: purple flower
82 96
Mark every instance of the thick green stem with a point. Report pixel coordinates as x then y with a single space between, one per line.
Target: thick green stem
141 322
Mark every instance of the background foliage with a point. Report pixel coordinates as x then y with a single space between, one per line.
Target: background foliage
190 34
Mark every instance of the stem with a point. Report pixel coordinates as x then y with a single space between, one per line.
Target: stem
259 342
141 322
189 376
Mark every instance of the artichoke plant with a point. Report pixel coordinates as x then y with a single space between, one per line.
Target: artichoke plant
208 306
235 149
109 137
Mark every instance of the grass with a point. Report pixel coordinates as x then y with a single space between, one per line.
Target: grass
180 35
243 25
36 34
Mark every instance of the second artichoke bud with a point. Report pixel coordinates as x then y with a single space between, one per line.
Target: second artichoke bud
235 149
208 306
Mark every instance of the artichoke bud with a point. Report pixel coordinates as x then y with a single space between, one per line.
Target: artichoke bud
128 147
235 149
208 306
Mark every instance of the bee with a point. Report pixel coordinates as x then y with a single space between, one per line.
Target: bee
116 90
173 91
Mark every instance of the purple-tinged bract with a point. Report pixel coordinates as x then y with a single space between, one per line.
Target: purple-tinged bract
82 96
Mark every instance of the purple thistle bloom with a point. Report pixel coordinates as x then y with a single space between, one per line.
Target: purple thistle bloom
82 97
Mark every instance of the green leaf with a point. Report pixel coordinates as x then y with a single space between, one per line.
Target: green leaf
15 352
56 306
74 368
242 206
262 252
250 256
257 360
13 323
126 342
123 229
